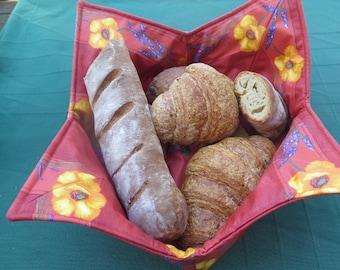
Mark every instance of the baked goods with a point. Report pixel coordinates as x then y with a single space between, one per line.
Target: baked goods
261 105
131 149
162 81
217 180
199 107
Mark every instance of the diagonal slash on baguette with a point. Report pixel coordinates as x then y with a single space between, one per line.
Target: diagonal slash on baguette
131 149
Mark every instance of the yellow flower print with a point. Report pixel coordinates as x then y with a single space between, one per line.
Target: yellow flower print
249 33
290 64
180 253
77 193
205 265
82 109
319 177
102 31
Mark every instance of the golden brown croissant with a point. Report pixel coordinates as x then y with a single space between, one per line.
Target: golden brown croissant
217 180
200 107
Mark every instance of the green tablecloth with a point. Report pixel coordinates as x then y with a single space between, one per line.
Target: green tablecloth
36 49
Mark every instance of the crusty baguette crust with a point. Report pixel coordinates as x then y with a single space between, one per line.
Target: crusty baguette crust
261 105
131 149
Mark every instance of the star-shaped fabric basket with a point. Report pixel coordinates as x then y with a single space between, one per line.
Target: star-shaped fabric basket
70 182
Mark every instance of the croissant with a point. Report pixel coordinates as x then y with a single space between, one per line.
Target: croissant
199 107
217 180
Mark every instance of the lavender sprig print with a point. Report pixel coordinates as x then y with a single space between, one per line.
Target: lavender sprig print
284 16
285 156
202 51
57 166
155 49
85 16
276 11
307 142
290 146
210 42
42 166
272 29
78 24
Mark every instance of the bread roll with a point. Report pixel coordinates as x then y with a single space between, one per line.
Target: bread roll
162 81
131 149
200 107
217 180
262 106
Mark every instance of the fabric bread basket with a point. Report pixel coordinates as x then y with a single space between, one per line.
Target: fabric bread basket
268 37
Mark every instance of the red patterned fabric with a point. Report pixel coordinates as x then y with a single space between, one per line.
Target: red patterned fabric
70 183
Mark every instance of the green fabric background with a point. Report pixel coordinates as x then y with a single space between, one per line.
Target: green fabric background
36 48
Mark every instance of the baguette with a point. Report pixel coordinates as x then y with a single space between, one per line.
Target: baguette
131 149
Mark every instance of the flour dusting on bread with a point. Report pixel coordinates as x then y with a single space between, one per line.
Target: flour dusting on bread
131 149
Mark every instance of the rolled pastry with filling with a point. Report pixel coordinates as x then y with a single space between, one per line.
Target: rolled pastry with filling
261 105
